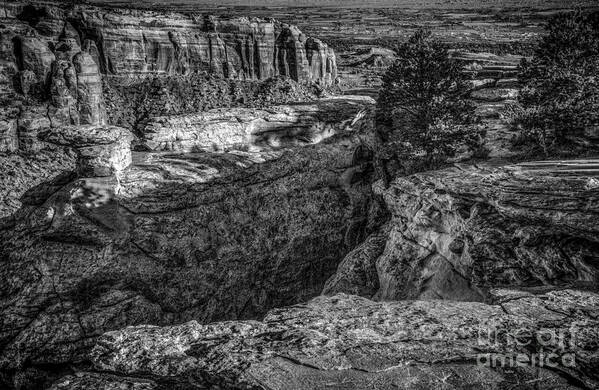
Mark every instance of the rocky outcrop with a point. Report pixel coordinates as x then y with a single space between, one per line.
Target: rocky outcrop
175 237
136 43
456 233
256 129
76 91
353 343
101 151
58 54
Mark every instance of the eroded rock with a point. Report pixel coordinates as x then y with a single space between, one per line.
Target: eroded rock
175 237
137 43
350 342
102 151
458 232
256 129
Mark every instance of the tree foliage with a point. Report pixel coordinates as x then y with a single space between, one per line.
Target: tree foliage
424 115
560 97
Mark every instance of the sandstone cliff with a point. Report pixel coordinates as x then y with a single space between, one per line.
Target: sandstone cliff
135 43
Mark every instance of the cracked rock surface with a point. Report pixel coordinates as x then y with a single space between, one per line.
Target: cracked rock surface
349 342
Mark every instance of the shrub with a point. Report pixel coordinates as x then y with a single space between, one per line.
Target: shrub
423 114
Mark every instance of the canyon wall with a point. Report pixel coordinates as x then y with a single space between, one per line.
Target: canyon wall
136 43
57 56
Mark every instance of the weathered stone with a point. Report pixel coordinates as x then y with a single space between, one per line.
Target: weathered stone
102 151
8 135
63 92
86 381
357 274
352 343
20 172
133 42
457 232
35 55
32 120
9 141
173 43
176 237
256 129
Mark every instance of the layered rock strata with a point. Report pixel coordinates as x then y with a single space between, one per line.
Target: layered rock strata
350 342
455 233
56 57
133 42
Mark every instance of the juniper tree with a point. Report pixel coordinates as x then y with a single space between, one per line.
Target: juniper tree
424 115
560 97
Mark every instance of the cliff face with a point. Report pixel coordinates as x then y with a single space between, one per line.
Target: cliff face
59 55
134 43
456 233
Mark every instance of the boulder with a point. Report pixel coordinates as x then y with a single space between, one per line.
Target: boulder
102 151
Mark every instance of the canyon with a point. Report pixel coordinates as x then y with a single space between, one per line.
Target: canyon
245 241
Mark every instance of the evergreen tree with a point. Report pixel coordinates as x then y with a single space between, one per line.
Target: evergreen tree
560 97
423 113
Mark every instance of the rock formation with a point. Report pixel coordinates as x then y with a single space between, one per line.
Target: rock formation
352 343
456 233
136 43
175 237
254 129
101 151
117 263
61 53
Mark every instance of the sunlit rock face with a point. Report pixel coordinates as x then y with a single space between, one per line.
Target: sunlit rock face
349 342
253 129
137 43
455 233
